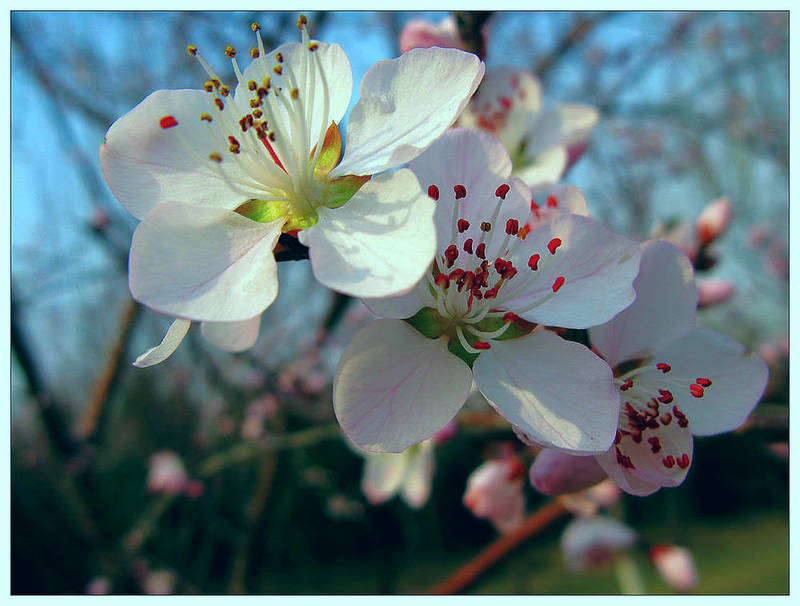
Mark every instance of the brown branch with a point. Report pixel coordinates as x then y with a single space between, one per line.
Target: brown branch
470 29
90 422
496 551
579 31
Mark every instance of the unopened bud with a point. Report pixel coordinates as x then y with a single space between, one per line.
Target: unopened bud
714 292
713 220
675 565
555 473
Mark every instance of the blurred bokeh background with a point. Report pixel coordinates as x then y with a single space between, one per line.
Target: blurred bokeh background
264 494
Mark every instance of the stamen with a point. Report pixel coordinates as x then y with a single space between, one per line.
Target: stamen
168 122
481 250
460 191
468 246
191 49
501 191
552 202
230 52
663 367
553 245
533 262
559 282
703 382
463 225
433 192
696 390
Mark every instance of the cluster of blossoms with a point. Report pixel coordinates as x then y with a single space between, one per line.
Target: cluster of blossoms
462 241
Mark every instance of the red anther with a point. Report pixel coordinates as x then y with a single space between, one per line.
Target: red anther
617 437
477 293
481 251
678 412
655 444
512 227
461 191
552 202
501 191
665 419
696 390
624 460
510 316
433 192
509 272
442 280
558 283
468 246
665 397
668 461
219 103
533 262
683 422
456 275
168 122
703 382
553 244
491 293
232 140
481 345
499 265
506 102
524 231
463 225
451 254
468 279
626 385
683 461
663 367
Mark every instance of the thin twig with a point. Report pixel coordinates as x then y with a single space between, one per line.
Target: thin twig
496 551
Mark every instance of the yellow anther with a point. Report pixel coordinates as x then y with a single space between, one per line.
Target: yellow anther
215 82
313 46
206 117
294 93
266 82
278 69
230 52
224 90
254 53
208 86
191 49
215 157
271 135
257 113
255 102
255 26
302 21
252 85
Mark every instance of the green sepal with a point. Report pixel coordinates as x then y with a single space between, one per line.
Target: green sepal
330 153
429 323
518 328
455 348
264 211
340 190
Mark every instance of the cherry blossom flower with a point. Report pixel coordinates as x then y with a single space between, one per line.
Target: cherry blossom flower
557 473
408 474
542 144
494 492
713 221
216 176
714 291
594 541
675 565
423 34
477 313
675 379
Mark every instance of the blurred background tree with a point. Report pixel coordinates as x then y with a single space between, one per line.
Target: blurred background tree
265 497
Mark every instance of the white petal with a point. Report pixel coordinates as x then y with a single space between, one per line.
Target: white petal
577 122
664 309
598 267
658 456
402 306
545 169
175 334
232 336
555 473
479 163
405 104
379 243
334 83
558 392
204 263
383 474
562 199
394 388
416 489
738 379
145 164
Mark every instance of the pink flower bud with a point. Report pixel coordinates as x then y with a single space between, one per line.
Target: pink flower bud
588 502
422 34
159 582
713 292
166 473
555 473
494 491
99 586
195 489
446 432
675 565
594 541
713 220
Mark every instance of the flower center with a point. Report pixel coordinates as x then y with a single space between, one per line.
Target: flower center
473 279
276 142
